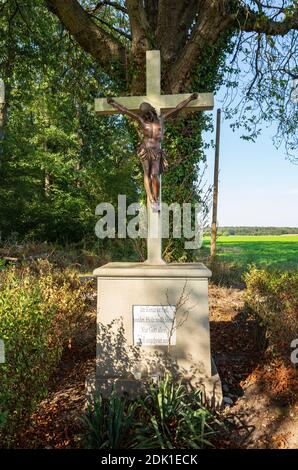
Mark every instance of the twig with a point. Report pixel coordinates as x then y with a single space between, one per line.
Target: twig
107 3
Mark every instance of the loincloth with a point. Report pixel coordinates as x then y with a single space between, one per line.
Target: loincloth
153 156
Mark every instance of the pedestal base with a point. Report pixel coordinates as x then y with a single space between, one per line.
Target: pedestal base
124 286
210 386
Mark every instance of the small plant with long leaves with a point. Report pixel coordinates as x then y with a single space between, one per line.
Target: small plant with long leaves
168 416
108 422
171 416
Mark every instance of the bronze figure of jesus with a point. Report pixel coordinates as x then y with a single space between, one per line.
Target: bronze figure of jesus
152 156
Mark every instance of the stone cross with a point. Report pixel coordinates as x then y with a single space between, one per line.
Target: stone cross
161 103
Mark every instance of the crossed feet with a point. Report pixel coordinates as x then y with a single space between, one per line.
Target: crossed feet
155 206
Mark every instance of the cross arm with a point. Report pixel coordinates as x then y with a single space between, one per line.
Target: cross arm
124 110
174 112
169 103
164 103
130 102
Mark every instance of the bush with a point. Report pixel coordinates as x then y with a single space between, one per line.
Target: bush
273 297
40 310
225 274
169 416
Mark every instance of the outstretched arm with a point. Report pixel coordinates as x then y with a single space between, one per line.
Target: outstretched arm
124 110
174 112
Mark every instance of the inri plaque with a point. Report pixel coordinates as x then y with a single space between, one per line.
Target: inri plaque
154 325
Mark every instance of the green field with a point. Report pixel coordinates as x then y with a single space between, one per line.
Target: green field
276 251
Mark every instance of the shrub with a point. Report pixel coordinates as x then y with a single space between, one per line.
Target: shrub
225 274
169 416
273 297
40 310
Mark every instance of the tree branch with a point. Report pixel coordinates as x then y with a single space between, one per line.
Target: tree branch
99 43
257 69
262 5
141 42
110 4
293 75
173 29
151 9
122 33
140 28
211 21
215 17
250 21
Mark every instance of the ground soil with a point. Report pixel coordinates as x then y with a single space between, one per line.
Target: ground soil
259 411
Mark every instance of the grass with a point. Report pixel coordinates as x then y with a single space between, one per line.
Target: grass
270 251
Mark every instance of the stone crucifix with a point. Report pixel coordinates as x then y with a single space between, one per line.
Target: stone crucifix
150 112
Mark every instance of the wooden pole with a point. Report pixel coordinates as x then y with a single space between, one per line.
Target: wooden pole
2 115
215 187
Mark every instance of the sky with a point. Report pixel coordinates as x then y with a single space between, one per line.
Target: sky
257 184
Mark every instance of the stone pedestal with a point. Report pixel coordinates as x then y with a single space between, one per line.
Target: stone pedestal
123 287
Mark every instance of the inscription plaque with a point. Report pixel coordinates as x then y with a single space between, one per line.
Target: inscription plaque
154 325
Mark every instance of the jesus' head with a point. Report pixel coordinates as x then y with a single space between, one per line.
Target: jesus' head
148 112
